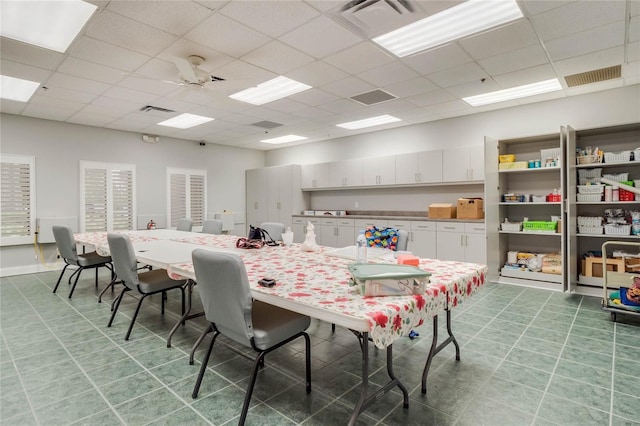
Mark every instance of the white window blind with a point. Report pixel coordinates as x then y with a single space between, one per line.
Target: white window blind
18 205
107 197
187 195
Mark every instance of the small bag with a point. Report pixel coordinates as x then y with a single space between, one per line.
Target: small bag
245 243
260 234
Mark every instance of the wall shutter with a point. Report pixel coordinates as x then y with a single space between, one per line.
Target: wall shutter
187 195
18 199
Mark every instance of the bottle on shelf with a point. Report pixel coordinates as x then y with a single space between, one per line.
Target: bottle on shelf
616 194
361 248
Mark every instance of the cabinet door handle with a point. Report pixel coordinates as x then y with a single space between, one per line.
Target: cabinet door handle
335 232
255 205
411 236
278 205
462 240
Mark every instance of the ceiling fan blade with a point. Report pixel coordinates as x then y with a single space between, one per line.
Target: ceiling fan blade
185 68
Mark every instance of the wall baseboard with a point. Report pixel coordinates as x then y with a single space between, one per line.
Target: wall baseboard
27 269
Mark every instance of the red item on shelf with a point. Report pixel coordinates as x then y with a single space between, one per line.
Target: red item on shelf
554 198
624 195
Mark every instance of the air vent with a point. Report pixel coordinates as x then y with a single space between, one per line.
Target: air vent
267 124
373 97
371 18
149 108
594 76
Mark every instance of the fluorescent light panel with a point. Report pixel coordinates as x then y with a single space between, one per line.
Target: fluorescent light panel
369 122
514 93
462 20
49 24
284 139
17 89
185 121
269 91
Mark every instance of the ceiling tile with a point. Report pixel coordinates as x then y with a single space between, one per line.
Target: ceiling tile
11 107
341 106
591 61
633 52
124 32
92 71
458 75
359 58
527 57
107 54
30 55
576 17
431 98
313 97
631 72
130 95
447 107
600 38
435 60
535 7
277 57
347 87
317 74
410 87
77 83
48 111
475 87
273 18
90 119
221 33
127 125
334 37
117 106
23 71
634 28
61 93
387 74
525 76
501 40
156 87
175 17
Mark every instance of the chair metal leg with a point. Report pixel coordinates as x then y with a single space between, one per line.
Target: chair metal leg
75 283
307 344
77 271
96 277
333 328
163 297
252 382
116 306
135 315
110 285
203 367
197 343
60 277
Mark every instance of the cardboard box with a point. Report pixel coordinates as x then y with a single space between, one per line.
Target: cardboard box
470 208
442 211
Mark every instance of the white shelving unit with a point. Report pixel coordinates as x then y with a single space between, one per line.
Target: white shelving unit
531 181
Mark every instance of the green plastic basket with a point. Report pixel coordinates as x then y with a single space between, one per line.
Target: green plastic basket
539 226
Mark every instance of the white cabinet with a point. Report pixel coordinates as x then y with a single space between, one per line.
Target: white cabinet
299 228
422 239
463 164
345 173
315 176
461 241
419 167
273 195
379 171
336 232
360 224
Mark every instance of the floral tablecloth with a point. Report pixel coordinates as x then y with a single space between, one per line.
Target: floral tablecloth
99 239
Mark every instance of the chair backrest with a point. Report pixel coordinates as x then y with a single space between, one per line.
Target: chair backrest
66 243
185 224
274 229
212 226
403 240
224 290
124 259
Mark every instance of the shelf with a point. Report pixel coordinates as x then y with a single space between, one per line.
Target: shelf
607 202
535 170
528 275
611 236
529 203
606 165
552 234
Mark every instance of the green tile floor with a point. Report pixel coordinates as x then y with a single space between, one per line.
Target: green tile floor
529 357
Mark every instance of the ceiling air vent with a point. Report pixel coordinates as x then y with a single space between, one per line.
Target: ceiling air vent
371 18
267 124
594 76
373 97
149 108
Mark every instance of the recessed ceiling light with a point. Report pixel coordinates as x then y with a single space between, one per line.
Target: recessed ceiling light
369 122
469 17
284 139
17 89
185 121
269 91
514 93
49 24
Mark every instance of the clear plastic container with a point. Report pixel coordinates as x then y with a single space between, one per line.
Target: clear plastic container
361 248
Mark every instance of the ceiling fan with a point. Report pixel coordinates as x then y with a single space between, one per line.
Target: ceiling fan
191 75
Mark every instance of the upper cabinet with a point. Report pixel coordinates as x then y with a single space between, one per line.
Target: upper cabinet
463 164
379 171
315 176
420 167
345 173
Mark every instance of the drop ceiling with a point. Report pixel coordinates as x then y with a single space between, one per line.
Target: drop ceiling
122 62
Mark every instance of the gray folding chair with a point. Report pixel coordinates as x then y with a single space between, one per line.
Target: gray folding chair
403 240
226 297
146 283
69 253
212 226
274 229
185 224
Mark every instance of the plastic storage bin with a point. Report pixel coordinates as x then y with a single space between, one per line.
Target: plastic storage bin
617 157
539 226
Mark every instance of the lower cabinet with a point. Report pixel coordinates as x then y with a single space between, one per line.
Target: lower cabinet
422 239
336 232
462 242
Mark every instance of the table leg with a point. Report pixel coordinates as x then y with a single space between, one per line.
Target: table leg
435 348
363 401
186 315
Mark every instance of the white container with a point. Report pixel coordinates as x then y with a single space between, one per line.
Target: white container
361 248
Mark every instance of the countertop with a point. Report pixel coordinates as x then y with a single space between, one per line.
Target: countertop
389 217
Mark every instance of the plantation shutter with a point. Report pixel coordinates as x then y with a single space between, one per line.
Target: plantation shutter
107 197
187 195
17 188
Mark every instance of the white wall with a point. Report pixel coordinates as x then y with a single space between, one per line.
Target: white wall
58 147
599 109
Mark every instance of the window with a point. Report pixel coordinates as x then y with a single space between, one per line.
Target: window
187 195
18 199
107 197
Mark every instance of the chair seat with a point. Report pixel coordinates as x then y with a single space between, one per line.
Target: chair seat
272 325
157 280
92 259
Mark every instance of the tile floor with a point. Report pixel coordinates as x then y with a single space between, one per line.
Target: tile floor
529 357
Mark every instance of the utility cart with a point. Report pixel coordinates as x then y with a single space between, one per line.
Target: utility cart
607 303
